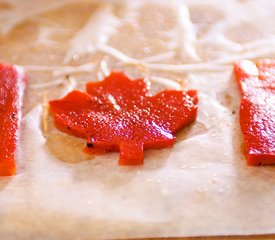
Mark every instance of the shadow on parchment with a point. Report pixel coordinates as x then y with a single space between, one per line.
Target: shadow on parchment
104 168
192 130
69 149
99 168
4 181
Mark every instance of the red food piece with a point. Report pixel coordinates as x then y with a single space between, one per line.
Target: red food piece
119 114
257 110
12 85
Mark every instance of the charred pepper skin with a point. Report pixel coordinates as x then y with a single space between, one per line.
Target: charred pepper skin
257 109
12 85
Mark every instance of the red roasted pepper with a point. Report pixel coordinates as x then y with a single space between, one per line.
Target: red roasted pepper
12 85
120 114
257 110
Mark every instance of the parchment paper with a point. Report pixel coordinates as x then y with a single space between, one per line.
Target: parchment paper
202 186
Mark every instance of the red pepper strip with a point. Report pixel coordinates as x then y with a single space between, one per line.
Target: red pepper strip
119 114
12 85
257 111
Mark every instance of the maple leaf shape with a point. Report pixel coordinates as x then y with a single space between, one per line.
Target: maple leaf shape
120 114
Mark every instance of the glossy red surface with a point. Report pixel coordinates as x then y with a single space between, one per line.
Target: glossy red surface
12 84
257 110
119 114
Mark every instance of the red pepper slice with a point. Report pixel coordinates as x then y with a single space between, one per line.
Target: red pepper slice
257 110
119 114
12 85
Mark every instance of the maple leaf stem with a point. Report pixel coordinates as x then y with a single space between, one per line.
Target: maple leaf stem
131 153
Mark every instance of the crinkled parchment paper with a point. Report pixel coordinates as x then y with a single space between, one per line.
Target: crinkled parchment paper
201 186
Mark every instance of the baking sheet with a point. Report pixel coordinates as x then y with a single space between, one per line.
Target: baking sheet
199 187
